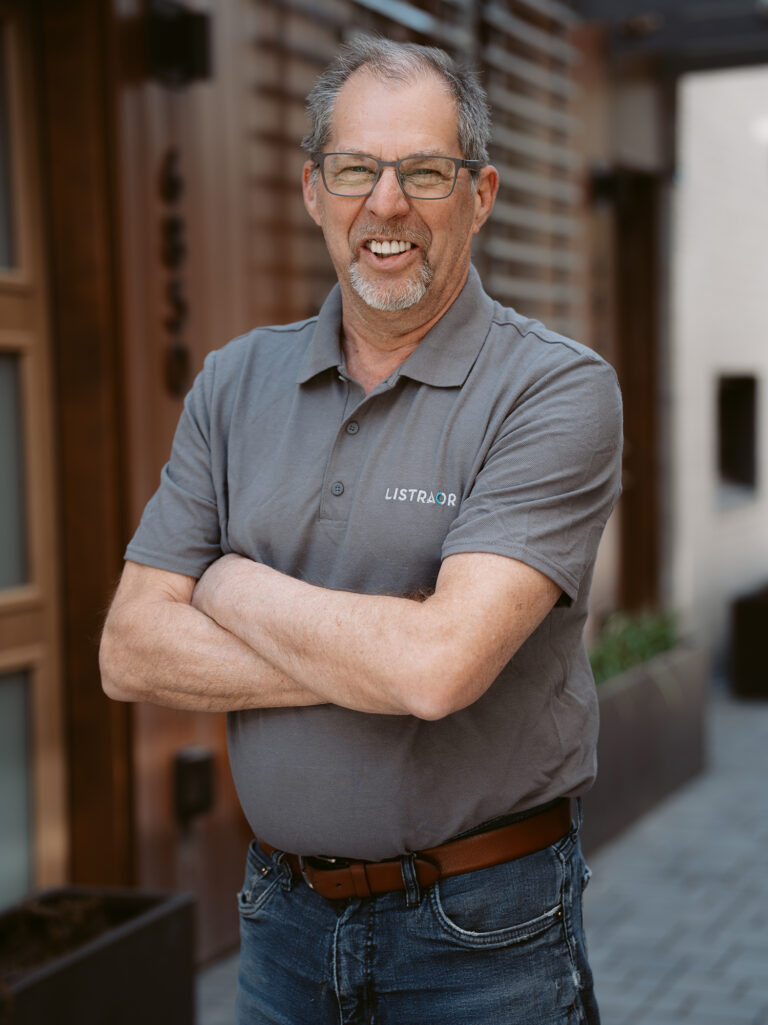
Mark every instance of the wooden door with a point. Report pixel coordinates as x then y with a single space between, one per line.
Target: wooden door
33 837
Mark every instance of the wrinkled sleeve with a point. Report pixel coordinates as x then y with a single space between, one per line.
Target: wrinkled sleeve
551 475
180 528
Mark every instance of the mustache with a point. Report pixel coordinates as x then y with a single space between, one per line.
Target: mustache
388 232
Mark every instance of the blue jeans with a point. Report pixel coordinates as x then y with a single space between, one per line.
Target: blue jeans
501 946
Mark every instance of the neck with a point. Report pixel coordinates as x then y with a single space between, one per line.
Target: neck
376 343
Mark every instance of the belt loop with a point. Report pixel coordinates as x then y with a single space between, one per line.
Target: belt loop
411 880
579 814
280 859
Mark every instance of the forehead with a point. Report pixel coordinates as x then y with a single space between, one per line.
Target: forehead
389 118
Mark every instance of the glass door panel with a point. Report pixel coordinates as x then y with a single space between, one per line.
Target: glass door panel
15 789
7 227
13 518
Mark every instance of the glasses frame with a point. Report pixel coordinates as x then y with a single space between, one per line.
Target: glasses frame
458 163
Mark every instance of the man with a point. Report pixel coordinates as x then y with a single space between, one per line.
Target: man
372 546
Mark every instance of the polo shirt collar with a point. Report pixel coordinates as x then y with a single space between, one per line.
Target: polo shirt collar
442 358
324 350
447 352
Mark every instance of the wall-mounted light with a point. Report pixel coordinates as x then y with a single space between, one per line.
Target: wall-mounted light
193 780
178 44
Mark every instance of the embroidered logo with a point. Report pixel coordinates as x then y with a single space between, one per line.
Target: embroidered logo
420 496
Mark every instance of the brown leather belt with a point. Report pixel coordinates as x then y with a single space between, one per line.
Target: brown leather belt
342 878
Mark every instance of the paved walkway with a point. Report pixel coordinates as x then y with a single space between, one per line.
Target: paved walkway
677 911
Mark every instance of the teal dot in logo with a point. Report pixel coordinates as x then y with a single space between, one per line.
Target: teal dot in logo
440 498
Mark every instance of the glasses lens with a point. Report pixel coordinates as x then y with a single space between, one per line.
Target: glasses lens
427 177
349 174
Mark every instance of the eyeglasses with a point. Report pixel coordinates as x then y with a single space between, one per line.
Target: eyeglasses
420 177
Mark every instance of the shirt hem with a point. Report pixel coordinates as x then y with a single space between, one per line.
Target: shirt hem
533 559
163 561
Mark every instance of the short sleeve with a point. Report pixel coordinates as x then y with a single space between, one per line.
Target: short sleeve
551 477
180 527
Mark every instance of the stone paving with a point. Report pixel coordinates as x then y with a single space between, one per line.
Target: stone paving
216 993
677 910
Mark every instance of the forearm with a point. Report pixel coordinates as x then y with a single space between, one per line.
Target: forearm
367 652
168 653
317 634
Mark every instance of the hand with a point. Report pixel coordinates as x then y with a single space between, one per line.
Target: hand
218 583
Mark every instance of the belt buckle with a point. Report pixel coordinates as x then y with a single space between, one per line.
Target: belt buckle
305 868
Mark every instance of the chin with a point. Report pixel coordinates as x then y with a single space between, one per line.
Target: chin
392 298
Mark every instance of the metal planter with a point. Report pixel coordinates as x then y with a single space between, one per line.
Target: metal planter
92 956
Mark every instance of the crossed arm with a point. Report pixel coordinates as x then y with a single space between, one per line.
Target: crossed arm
247 636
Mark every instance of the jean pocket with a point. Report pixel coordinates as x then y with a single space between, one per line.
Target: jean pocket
503 905
262 879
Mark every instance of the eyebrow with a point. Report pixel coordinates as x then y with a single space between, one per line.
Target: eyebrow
417 153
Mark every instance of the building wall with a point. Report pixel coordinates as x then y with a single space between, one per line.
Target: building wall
719 322
120 302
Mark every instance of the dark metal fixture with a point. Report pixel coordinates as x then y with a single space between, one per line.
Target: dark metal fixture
193 783
178 44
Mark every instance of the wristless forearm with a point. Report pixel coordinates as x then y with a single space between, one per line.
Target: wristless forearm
171 654
356 650
381 653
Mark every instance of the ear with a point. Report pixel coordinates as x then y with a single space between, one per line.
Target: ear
485 196
310 177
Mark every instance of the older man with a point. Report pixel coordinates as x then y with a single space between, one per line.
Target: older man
372 546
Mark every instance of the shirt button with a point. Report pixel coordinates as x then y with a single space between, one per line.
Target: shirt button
353 427
337 488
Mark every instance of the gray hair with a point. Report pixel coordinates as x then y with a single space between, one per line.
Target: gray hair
401 62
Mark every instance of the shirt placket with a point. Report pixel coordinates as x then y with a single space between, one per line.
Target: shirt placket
346 456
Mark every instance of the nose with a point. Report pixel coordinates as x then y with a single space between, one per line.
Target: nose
387 199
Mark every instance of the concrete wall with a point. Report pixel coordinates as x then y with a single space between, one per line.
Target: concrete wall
719 325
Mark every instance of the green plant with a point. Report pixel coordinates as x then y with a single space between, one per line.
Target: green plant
626 640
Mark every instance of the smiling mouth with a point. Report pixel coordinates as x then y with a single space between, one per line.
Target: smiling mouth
391 247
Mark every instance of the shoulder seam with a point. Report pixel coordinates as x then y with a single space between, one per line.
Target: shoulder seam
298 325
295 327
576 348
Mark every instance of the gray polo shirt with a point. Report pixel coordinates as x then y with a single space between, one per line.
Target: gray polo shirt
496 435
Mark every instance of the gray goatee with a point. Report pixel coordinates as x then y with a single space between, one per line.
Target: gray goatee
400 295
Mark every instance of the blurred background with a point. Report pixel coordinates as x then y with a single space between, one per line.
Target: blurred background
150 210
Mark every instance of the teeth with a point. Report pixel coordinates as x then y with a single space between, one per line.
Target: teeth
388 248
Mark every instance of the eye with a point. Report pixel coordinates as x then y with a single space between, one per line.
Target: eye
428 172
424 171
349 168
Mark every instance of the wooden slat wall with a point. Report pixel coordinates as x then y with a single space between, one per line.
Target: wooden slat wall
530 250
529 253
287 260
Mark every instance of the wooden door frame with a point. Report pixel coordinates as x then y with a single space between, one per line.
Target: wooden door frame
636 197
76 114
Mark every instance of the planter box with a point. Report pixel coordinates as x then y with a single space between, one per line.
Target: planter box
651 739
121 957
